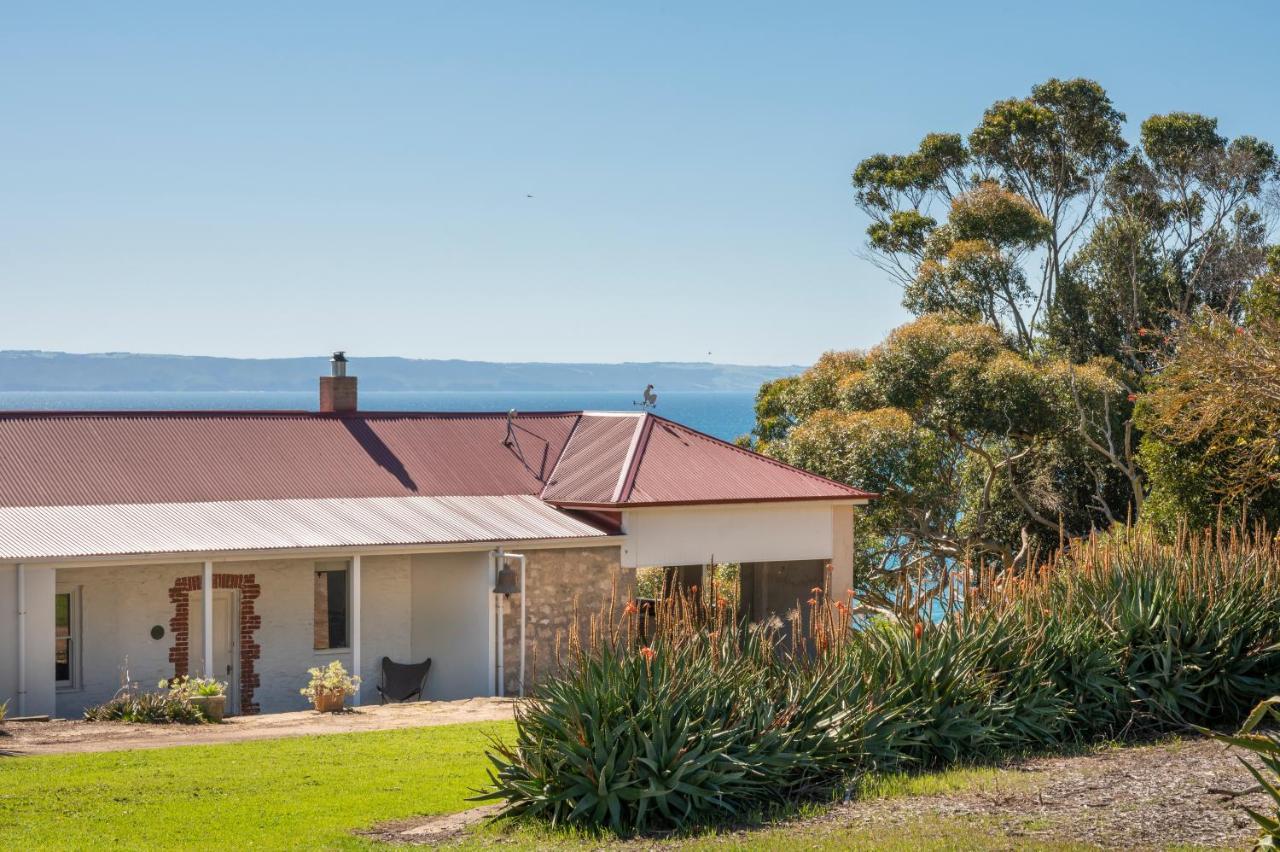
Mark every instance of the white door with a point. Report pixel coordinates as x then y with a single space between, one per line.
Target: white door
226 631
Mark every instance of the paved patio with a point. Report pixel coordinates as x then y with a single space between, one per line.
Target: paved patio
67 736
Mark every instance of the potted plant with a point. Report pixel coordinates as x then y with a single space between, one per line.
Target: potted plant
329 687
207 695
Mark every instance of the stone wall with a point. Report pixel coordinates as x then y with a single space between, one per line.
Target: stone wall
561 584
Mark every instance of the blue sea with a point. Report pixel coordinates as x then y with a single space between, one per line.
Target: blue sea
725 414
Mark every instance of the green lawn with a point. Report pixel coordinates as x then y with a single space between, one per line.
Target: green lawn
308 792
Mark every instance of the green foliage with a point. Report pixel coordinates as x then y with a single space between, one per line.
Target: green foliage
976 448
1061 136
1212 425
1053 269
146 708
1263 300
330 679
187 687
679 735
882 179
1111 300
704 720
994 215
1267 747
1182 492
904 231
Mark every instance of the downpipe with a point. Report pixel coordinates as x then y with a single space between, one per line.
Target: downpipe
498 602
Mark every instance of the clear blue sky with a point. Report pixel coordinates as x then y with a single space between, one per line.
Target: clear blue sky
282 179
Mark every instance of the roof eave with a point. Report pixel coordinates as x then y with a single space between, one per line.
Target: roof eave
249 554
835 499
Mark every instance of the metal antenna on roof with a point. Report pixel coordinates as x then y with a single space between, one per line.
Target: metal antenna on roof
510 440
650 399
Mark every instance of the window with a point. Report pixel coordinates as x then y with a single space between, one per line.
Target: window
331 599
66 637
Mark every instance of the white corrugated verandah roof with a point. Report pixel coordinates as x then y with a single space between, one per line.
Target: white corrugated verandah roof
45 532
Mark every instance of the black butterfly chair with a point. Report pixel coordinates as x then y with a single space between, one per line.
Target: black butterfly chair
402 681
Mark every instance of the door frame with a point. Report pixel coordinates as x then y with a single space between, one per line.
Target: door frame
195 660
232 597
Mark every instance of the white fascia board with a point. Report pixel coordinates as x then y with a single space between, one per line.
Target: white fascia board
319 552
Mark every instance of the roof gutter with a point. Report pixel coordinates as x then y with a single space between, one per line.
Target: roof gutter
183 556
740 501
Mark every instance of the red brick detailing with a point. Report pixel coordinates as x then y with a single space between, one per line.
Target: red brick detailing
338 394
250 621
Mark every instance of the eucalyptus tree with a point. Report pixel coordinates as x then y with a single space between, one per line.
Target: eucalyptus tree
1052 266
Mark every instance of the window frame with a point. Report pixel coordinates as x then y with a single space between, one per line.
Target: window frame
74 637
326 566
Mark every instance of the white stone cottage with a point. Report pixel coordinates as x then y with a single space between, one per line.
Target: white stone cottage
250 546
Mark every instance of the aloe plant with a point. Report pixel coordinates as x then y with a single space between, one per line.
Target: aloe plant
700 717
1267 747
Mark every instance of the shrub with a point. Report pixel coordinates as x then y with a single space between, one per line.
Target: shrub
189 687
673 733
1153 637
704 718
145 707
330 680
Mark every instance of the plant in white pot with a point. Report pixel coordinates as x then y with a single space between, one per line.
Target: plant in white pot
207 695
330 686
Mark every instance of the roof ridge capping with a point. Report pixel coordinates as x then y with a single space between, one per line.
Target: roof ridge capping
626 475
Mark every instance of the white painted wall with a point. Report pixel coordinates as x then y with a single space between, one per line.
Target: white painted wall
120 604
748 532
118 607
40 699
451 600
414 606
287 609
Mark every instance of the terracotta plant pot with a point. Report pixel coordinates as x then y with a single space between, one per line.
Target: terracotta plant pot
329 702
214 707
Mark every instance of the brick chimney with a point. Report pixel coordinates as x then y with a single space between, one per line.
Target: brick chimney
338 390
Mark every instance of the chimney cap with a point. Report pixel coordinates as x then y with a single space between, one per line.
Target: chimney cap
340 356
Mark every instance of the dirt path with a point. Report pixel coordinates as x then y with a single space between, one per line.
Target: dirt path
1149 797
60 737
1143 797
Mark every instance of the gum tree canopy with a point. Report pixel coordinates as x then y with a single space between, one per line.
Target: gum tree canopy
1053 267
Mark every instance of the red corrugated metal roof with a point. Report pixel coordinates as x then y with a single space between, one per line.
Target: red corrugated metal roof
57 459
676 464
592 467
660 462
599 460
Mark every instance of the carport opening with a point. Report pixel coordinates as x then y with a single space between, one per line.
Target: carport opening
756 591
